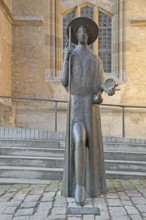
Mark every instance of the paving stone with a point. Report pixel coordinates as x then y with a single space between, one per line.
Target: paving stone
112 195
87 217
126 203
42 214
74 218
50 194
3 206
14 203
133 194
138 200
5 217
100 203
28 204
103 216
10 210
143 215
126 198
23 212
20 196
136 217
56 217
22 218
45 205
117 211
118 199
59 211
37 191
131 210
60 204
32 198
114 202
141 208
47 198
126 217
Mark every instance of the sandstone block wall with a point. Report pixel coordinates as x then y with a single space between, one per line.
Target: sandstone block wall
9 4
30 51
7 113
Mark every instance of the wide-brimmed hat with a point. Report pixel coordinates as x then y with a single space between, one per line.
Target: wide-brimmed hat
83 21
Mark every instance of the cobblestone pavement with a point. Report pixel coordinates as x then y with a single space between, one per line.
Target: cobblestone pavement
124 200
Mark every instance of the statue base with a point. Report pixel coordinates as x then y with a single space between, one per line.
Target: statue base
78 210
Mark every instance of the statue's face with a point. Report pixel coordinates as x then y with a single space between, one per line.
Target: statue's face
82 35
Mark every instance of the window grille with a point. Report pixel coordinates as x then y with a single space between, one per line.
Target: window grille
104 40
66 19
105 33
88 11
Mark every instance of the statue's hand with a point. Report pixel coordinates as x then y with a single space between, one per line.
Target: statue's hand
67 52
110 91
109 86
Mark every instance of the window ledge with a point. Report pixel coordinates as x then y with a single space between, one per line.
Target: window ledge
28 20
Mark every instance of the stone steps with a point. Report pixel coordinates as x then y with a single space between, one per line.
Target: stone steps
32 151
40 173
125 147
56 162
59 152
39 155
52 152
25 161
31 143
37 173
125 156
112 174
123 165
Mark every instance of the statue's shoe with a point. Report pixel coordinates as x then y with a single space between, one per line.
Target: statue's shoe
80 195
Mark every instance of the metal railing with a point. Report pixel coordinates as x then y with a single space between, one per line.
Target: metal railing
56 102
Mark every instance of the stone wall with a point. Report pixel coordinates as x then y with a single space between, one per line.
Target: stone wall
30 51
9 4
111 120
6 20
134 91
37 61
5 51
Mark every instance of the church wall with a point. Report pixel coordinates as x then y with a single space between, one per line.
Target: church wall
9 4
37 60
6 110
134 90
31 49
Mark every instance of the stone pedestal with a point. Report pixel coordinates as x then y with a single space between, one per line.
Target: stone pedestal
83 211
87 209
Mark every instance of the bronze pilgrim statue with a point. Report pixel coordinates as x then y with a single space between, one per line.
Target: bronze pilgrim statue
83 78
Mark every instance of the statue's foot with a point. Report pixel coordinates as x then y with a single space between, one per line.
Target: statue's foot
80 195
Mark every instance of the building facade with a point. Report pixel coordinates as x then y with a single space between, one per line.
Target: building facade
32 38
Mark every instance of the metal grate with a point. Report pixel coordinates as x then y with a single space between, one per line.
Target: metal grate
104 48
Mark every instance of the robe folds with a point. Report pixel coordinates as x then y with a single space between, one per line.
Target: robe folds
86 77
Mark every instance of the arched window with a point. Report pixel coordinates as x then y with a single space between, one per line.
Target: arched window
104 40
87 11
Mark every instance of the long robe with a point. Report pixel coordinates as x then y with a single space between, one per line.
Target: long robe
86 77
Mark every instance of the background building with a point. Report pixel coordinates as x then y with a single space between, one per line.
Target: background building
32 37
